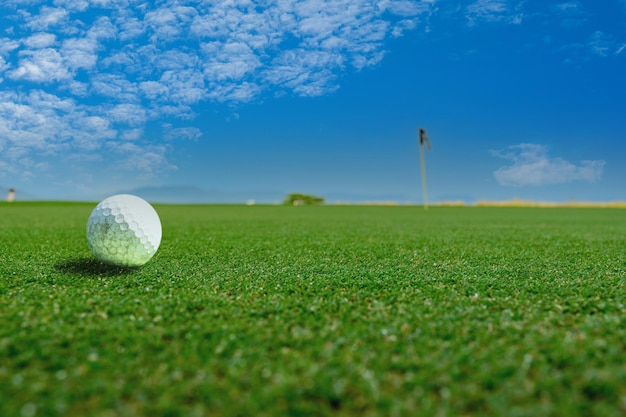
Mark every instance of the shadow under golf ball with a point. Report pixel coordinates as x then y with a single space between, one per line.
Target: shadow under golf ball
93 267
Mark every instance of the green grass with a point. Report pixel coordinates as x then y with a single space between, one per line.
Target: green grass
309 311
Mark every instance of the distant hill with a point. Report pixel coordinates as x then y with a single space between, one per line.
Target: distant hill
192 194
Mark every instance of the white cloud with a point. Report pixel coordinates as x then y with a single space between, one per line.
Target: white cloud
115 87
154 90
145 158
48 17
532 166
242 92
185 87
3 67
181 133
127 114
41 65
508 11
169 22
176 59
233 60
597 45
569 7
7 45
40 40
101 29
47 123
600 44
80 52
405 7
305 72
130 28
72 5
40 128
78 89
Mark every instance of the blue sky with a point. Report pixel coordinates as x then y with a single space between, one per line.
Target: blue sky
234 100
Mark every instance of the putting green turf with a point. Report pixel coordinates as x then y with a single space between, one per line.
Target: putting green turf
354 311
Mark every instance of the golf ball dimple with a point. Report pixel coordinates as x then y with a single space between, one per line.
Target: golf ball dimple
124 230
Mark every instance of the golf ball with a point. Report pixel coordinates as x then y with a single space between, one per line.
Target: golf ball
124 230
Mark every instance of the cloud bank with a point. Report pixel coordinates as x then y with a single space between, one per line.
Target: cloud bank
532 166
79 76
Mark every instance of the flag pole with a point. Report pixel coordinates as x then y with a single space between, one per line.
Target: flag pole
423 139
423 165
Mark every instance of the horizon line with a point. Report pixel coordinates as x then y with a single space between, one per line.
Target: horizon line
516 202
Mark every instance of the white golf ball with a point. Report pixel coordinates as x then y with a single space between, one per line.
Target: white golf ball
124 230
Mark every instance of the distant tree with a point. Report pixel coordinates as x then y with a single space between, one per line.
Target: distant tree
299 199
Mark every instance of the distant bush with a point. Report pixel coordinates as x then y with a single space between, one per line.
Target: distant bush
298 199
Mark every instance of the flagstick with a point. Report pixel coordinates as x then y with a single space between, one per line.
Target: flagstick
423 164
